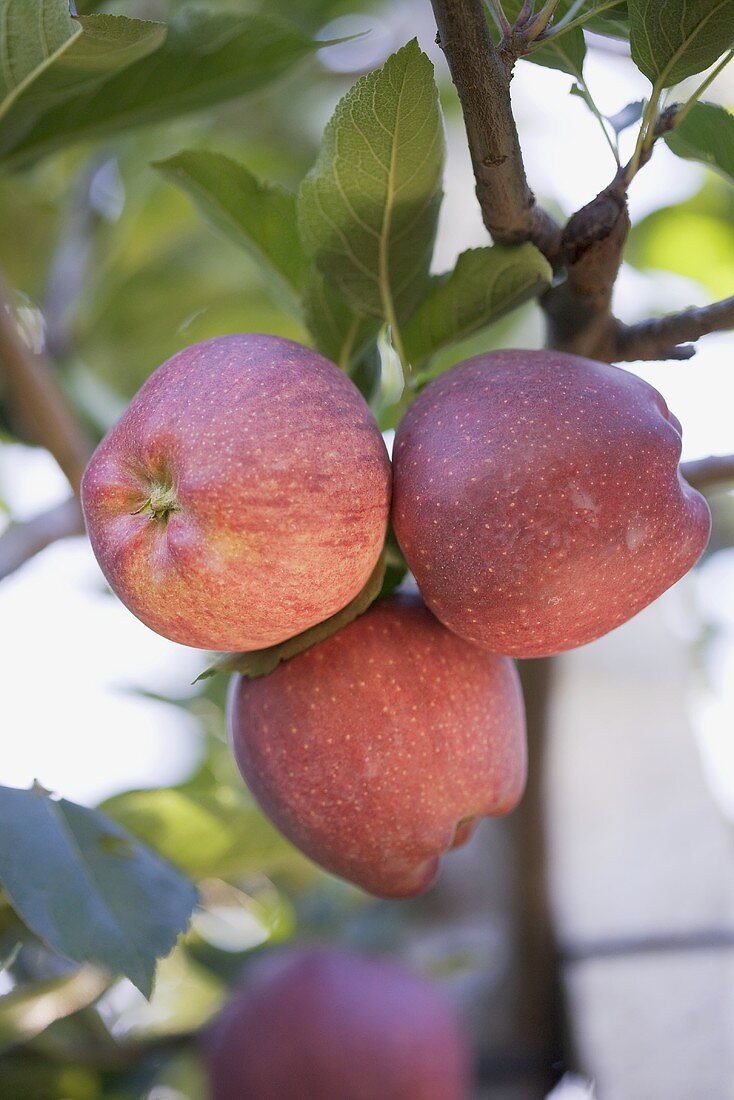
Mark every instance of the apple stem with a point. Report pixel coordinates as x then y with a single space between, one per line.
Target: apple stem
161 503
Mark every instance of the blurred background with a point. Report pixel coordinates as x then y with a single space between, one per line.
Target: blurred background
114 271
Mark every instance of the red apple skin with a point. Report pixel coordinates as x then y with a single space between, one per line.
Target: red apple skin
380 748
538 500
318 1024
281 486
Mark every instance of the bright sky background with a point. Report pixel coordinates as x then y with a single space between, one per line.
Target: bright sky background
73 654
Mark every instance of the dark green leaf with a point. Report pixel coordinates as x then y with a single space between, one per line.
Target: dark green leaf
706 134
609 18
627 117
30 1009
368 208
35 1079
485 284
563 49
261 661
673 39
210 832
603 16
397 567
99 46
259 216
87 888
339 332
565 52
207 58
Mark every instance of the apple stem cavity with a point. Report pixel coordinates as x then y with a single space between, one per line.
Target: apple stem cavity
161 503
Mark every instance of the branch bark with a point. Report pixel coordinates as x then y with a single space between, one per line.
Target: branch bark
539 995
667 337
579 310
37 398
22 541
589 250
482 78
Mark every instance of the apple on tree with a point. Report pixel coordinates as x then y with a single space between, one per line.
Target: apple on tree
381 747
242 497
322 1024
538 500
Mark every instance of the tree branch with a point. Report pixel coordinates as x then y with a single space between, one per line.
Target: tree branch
662 337
37 398
482 78
702 473
22 541
579 309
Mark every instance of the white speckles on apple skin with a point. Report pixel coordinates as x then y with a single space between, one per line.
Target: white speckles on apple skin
282 486
411 733
566 514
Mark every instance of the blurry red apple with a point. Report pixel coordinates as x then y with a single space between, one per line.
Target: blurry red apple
242 497
538 500
378 749
331 1025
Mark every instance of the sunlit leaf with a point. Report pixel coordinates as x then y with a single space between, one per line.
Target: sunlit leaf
214 831
673 39
694 239
30 1009
368 208
87 888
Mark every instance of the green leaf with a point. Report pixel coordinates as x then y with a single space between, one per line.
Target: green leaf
30 1009
87 888
21 1076
339 332
397 567
673 39
207 58
566 53
99 46
261 661
627 116
603 16
32 33
261 217
212 832
706 134
611 19
564 49
368 208
485 284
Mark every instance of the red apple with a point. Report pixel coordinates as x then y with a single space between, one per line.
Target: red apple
379 749
538 500
330 1025
243 496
